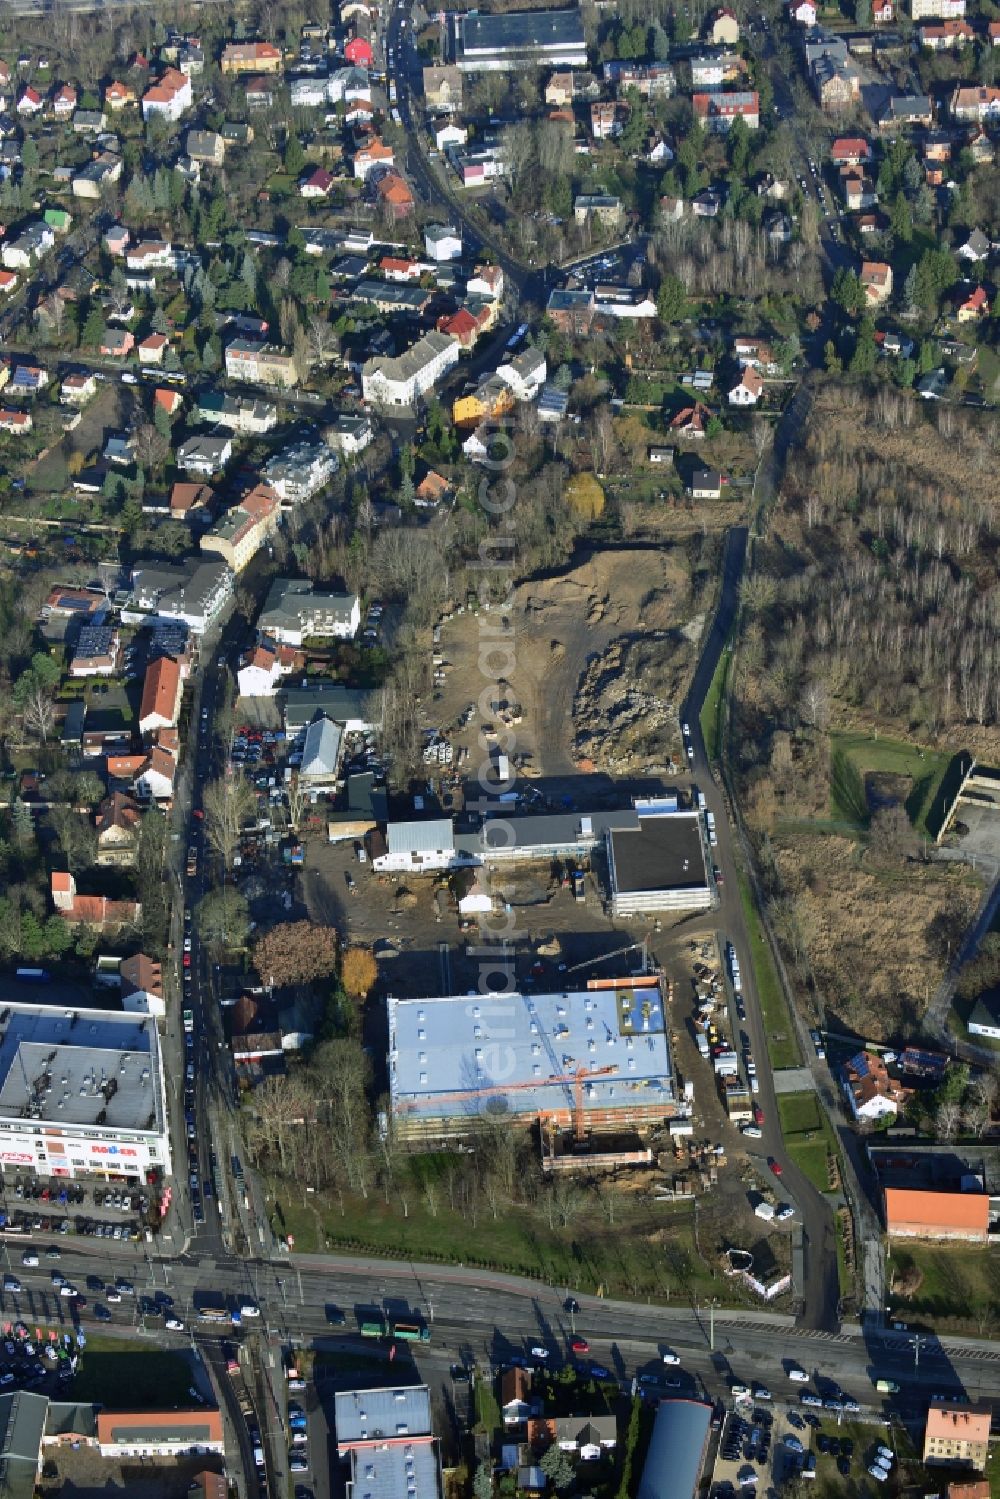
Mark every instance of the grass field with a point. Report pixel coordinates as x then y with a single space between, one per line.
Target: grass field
711 711
123 1377
852 756
808 1136
960 1290
782 1045
647 1251
487 1409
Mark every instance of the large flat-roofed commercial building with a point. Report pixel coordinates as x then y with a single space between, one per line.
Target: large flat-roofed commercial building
81 1093
451 1059
660 865
519 39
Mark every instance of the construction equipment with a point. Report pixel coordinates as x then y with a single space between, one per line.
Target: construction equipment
619 952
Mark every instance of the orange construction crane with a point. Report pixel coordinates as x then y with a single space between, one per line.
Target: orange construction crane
577 1079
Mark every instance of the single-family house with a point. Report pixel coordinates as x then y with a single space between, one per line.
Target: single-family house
691 422
152 348
442 242
974 306
870 1091
876 282
155 781
117 820
748 388
117 343
118 95
206 147
169 97
317 184
30 102
373 154
162 690
723 28
205 454
64 101
263 667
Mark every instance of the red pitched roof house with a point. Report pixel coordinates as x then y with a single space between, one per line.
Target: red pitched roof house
91 910
395 195
118 95
30 102
170 400
883 12
186 496
976 305
850 151
691 422
161 695
317 185
64 101
153 348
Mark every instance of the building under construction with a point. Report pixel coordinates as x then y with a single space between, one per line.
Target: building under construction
590 1061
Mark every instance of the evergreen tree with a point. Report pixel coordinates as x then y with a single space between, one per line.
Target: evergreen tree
160 322
671 299
22 825
295 157
94 329
659 43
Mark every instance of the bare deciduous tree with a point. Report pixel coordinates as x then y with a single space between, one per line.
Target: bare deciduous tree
39 712
228 803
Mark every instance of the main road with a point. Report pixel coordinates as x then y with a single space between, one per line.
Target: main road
476 1316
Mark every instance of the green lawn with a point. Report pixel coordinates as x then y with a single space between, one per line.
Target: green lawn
712 708
808 1136
625 1258
960 1289
853 755
782 1045
799 1113
487 1408
123 1377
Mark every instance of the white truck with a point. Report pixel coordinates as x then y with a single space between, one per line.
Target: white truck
710 824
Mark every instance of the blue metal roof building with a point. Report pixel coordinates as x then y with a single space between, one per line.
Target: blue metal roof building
450 1058
677 1450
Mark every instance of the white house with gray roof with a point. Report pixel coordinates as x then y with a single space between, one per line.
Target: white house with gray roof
295 611
403 380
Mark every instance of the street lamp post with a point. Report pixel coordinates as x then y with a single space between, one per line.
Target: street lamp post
711 1323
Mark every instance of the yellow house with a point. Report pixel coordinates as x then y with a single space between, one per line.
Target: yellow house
251 57
491 399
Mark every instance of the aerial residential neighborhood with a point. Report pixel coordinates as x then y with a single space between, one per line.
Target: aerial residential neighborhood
499 759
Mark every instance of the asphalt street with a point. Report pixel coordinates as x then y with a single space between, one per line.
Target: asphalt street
475 1317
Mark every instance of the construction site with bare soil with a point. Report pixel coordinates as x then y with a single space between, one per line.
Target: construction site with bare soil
602 654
